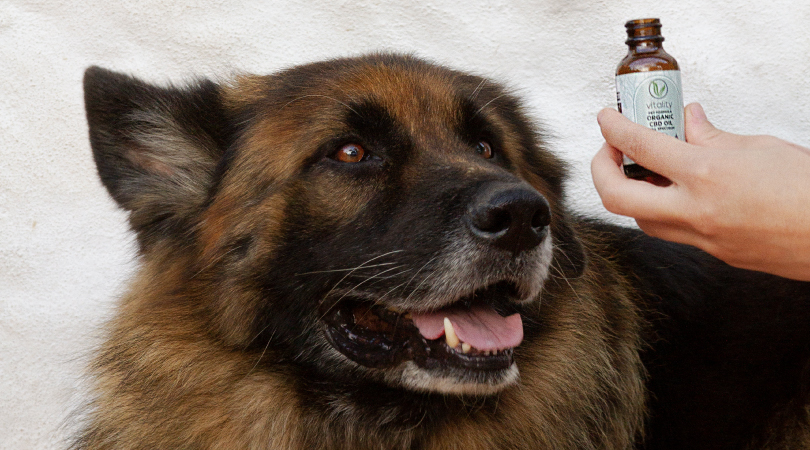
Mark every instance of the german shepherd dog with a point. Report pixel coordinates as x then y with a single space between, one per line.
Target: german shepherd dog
376 253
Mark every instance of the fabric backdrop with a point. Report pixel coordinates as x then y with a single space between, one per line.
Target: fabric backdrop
65 252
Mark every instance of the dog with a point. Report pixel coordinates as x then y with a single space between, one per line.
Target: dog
376 253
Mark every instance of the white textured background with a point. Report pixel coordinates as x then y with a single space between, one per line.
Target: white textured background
65 252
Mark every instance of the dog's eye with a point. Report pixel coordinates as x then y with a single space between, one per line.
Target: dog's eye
349 153
484 149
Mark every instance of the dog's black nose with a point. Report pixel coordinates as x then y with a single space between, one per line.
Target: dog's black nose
510 216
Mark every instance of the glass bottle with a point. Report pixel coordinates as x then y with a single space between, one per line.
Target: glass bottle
648 87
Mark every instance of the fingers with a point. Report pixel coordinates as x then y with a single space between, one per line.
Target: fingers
672 232
699 131
656 151
697 126
628 197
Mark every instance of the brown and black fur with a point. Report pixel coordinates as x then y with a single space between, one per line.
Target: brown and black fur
247 230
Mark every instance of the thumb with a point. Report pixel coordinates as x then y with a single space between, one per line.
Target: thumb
699 131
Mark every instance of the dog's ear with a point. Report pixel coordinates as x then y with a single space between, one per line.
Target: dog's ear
156 148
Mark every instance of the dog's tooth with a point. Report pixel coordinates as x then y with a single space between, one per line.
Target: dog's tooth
450 334
465 347
408 316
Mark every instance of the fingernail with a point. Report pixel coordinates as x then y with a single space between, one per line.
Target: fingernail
599 116
697 113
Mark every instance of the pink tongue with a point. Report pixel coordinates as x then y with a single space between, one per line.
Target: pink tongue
479 326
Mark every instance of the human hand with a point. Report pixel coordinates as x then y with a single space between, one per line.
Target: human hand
743 199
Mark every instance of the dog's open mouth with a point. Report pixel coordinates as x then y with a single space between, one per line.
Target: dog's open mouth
477 333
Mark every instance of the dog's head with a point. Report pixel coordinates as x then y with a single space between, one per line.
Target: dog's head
379 218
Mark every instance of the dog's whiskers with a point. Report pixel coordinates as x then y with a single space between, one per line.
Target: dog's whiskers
383 297
422 268
345 270
266 346
477 89
322 96
388 277
559 272
363 265
366 280
357 285
423 279
487 104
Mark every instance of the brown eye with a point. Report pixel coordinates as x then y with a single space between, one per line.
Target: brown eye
349 153
484 149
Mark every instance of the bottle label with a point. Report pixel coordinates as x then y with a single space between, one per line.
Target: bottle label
653 99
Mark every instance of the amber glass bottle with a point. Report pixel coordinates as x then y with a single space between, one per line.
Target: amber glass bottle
648 86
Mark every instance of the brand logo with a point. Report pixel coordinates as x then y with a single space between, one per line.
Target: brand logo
658 88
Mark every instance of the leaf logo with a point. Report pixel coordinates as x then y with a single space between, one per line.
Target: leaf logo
658 88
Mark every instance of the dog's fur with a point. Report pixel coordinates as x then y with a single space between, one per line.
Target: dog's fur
251 233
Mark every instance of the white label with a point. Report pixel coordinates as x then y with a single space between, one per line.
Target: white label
653 99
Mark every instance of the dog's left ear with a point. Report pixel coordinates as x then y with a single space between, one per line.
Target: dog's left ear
156 148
